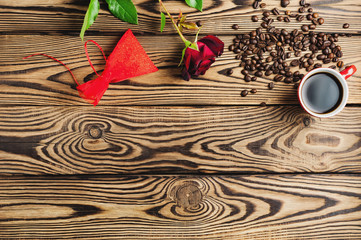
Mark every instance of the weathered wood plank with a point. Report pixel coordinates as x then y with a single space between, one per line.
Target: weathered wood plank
52 17
88 140
152 207
40 81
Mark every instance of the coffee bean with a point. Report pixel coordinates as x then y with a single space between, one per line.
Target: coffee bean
270 21
235 26
231 47
321 21
244 93
262 5
229 72
301 10
199 23
263 104
304 28
317 65
264 25
271 85
254 90
321 57
266 13
259 74
294 63
286 19
278 78
280 18
332 67
300 18
275 11
255 4
268 72
340 64
302 3
297 53
314 21
244 72
254 18
247 78
310 10
288 80
285 3
326 61
253 79
315 15
309 17
312 26
310 61
237 50
346 25
339 54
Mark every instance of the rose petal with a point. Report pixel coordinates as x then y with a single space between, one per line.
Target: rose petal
214 44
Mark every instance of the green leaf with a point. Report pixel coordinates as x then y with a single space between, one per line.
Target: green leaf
189 25
197 4
124 10
90 16
162 21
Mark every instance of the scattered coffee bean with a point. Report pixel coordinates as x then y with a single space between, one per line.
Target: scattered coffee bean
255 4
312 26
300 18
263 104
235 26
310 10
286 19
271 85
288 80
346 25
247 78
266 13
229 72
332 67
304 28
301 10
285 3
254 18
254 90
199 23
309 17
275 11
280 18
315 15
253 79
340 64
262 5
244 93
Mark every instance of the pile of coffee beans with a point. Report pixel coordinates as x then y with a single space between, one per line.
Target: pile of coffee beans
268 50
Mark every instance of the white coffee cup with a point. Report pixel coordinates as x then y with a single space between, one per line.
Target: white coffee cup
340 77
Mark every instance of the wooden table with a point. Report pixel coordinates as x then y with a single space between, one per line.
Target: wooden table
163 158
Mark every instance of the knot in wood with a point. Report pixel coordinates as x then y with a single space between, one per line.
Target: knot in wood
188 195
95 132
306 121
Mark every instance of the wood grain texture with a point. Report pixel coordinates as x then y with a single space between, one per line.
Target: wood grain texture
282 207
41 81
88 140
66 17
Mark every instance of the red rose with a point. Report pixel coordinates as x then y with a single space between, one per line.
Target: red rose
198 62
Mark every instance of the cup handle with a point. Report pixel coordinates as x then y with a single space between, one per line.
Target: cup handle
348 72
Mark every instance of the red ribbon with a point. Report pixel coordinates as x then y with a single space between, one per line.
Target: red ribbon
127 60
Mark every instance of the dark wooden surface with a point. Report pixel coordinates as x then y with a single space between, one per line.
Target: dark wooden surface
162 158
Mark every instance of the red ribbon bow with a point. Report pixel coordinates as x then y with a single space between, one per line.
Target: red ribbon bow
127 60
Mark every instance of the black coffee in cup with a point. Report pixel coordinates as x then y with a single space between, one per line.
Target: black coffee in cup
322 92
